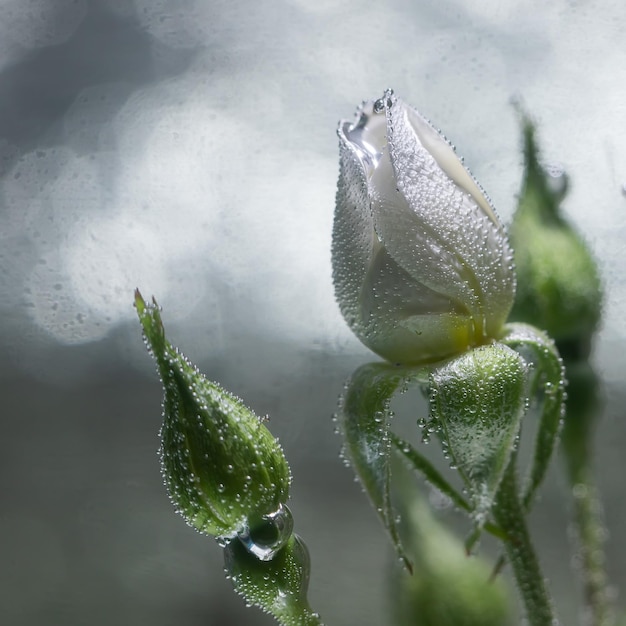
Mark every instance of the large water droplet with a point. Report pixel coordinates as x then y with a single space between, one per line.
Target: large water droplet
266 536
379 105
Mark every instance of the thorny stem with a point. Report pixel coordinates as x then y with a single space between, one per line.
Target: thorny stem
511 517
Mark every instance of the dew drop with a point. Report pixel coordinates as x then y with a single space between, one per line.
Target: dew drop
223 541
265 537
379 105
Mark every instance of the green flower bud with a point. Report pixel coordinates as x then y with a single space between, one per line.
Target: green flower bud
225 472
559 286
278 587
477 402
448 588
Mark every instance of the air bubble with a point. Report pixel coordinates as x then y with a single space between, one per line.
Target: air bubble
557 180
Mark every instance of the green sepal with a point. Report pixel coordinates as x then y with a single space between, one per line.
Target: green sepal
364 419
477 403
549 383
279 586
431 474
418 462
222 466
558 287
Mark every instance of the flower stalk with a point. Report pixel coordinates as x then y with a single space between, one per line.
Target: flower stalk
510 515
577 444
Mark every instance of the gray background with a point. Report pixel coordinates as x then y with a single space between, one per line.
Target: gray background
188 149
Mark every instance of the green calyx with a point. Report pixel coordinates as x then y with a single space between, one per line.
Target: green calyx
477 403
558 287
223 468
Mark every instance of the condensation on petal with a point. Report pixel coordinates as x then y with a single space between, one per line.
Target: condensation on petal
448 160
353 235
411 237
405 321
445 239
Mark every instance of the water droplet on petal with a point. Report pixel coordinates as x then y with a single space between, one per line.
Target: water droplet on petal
379 105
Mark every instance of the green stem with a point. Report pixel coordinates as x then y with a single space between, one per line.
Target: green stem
580 421
303 616
590 532
510 516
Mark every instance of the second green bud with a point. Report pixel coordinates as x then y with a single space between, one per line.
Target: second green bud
225 472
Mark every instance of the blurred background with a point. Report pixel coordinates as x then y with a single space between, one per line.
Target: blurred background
189 149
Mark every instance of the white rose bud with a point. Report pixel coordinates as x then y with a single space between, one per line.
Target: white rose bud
421 264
